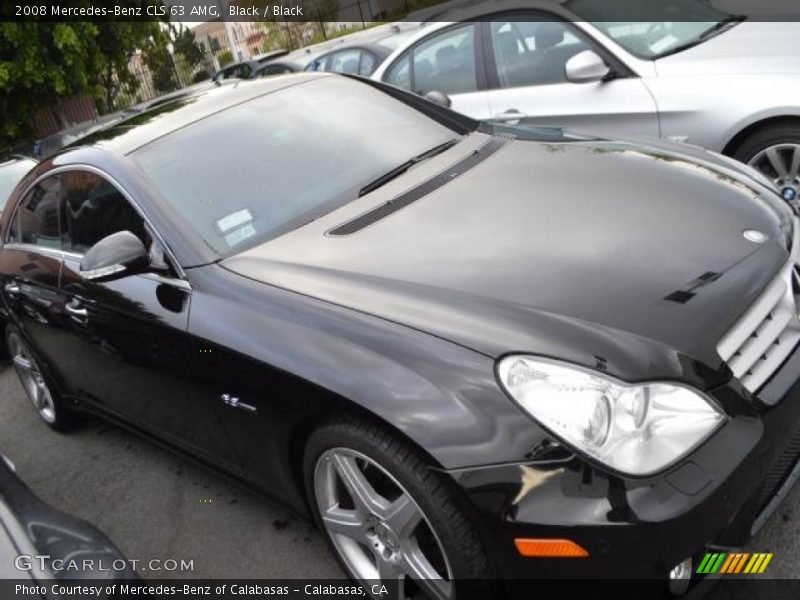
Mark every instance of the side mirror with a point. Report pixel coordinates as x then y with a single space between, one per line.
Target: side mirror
115 254
439 98
587 67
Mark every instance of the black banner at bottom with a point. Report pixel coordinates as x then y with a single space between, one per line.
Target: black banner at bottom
734 588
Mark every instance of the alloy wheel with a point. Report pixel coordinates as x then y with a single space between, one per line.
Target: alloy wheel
31 378
379 531
781 164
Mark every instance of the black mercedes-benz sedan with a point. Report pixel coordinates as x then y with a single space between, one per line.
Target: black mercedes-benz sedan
467 351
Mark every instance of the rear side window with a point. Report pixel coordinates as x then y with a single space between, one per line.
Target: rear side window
345 61
444 62
369 63
37 218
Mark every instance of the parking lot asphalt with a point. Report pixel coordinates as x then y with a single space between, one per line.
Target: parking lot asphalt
156 505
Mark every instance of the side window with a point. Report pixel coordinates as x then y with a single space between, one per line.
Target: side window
345 61
446 62
37 218
399 73
318 64
530 53
93 208
369 62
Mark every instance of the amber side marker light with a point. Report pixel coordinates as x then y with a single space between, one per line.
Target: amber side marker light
549 548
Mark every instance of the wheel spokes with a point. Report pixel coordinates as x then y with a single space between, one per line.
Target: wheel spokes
402 516
22 362
376 525
361 491
776 160
417 566
344 522
794 169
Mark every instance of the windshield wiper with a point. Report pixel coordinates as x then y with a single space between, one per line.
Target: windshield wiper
709 33
400 169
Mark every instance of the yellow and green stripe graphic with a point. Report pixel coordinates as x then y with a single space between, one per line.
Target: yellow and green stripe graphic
734 562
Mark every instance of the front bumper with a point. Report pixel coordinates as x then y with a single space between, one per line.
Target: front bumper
716 498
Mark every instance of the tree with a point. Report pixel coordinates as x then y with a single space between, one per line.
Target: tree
116 42
43 63
159 61
186 45
40 63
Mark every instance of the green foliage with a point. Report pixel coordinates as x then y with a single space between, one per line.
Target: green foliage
186 45
224 57
40 63
159 62
43 63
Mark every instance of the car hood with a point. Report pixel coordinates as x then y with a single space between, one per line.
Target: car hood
749 48
591 251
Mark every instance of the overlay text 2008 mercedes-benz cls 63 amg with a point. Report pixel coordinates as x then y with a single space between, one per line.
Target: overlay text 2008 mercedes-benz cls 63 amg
468 351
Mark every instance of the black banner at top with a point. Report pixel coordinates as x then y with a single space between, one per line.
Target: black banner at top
352 11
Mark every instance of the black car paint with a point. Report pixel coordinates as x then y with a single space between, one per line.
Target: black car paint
354 327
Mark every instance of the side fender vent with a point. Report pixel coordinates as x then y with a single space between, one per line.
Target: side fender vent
384 210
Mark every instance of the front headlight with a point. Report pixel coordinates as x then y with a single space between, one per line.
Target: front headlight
637 429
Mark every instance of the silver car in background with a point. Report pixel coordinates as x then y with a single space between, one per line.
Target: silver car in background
698 75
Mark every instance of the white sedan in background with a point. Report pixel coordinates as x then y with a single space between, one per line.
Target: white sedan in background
699 76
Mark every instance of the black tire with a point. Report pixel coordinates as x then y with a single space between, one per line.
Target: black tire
782 132
57 414
439 499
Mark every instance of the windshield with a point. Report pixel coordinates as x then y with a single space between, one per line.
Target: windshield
269 165
679 24
11 173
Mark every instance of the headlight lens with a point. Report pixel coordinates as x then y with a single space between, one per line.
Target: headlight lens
637 429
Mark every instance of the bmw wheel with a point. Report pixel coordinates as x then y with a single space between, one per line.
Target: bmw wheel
774 151
48 404
390 520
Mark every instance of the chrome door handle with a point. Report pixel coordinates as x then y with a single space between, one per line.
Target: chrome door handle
75 311
12 288
509 115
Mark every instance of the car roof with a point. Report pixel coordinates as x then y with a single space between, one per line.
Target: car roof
141 129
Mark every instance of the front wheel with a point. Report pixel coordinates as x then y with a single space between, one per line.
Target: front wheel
45 399
391 520
774 151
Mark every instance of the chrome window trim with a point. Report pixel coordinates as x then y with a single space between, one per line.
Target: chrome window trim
112 181
63 254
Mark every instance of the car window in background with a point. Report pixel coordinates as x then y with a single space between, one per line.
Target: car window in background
650 29
368 64
318 64
345 61
11 173
400 73
446 62
533 53
92 209
290 157
36 220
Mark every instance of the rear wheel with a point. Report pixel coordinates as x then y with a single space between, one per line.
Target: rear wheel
775 152
45 399
390 519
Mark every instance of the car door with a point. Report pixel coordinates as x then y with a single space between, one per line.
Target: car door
30 264
526 56
128 351
446 61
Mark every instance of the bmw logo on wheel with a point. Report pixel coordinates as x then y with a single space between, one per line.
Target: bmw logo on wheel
789 194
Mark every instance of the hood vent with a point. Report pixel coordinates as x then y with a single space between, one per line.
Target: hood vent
422 190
